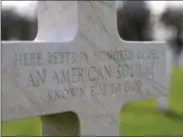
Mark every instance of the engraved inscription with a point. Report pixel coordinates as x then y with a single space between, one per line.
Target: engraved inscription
66 75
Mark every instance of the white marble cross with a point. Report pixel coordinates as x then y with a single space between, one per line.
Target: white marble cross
91 75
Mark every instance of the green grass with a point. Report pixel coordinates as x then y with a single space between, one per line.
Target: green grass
22 127
141 117
176 90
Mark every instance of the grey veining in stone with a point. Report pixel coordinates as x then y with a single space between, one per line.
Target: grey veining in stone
26 88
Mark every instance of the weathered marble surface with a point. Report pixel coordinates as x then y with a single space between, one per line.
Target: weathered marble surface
97 112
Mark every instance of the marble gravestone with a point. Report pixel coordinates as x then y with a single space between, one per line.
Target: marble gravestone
92 75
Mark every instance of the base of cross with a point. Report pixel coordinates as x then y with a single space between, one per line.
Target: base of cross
59 124
142 117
